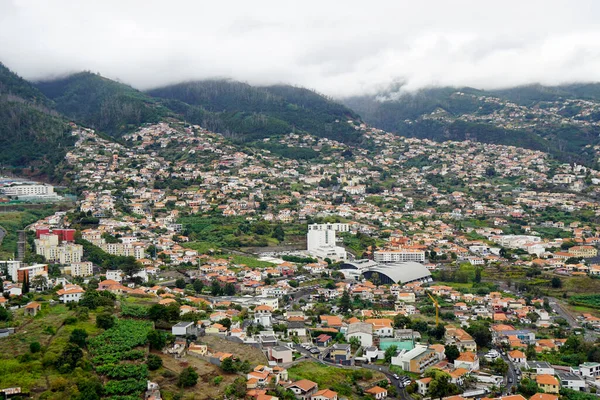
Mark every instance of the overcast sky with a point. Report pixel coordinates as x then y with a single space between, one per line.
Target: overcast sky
337 47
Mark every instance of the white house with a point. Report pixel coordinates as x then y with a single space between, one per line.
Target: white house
183 328
70 293
570 380
589 369
362 331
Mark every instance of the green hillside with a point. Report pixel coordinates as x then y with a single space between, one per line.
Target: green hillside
100 103
252 112
32 135
559 120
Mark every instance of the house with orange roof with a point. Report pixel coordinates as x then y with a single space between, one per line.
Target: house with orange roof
325 394
167 301
548 383
543 396
33 308
332 321
303 389
467 360
70 293
423 386
377 392
517 357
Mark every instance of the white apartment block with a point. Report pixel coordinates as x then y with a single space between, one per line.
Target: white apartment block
63 253
337 227
28 190
403 255
121 249
84 268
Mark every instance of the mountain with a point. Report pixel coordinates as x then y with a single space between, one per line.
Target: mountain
562 120
32 134
108 106
251 112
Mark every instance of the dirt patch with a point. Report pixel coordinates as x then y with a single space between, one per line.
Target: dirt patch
241 351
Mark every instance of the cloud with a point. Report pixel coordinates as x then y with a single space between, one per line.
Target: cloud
338 48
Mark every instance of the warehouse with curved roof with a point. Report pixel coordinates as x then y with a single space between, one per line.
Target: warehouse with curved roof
401 272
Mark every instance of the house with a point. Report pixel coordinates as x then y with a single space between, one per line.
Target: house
280 354
548 383
571 380
262 315
540 367
517 357
383 327
589 369
362 331
543 396
303 389
325 394
423 385
183 328
377 392
467 360
340 352
33 308
323 340
460 338
70 293
416 360
332 321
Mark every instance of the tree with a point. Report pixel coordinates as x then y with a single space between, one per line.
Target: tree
215 288
25 287
528 387
187 378
278 233
105 321
375 279
499 366
154 362
481 334
237 389
452 353
69 358
354 342
345 302
180 283
5 315
79 337
226 322
39 282
156 340
228 366
533 317
390 352
478 275
35 347
198 286
556 282
229 289
438 331
130 266
402 321
440 385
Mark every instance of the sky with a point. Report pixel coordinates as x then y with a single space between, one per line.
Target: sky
339 48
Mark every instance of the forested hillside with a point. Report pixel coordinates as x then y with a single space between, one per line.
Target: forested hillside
562 120
32 135
255 112
108 106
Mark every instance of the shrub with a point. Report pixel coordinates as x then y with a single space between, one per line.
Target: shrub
187 378
154 362
35 347
105 321
217 380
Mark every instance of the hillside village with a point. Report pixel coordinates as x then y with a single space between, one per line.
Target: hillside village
201 267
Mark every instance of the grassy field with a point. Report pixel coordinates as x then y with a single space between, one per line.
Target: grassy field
251 262
15 220
337 379
166 377
18 367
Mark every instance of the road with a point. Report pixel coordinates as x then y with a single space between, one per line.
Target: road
589 335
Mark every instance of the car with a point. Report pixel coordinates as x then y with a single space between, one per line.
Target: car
396 377
510 380
314 350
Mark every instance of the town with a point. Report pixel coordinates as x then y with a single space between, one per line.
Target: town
195 267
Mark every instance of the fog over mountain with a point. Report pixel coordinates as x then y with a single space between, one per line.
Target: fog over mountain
340 49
